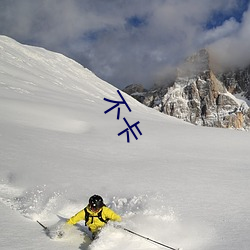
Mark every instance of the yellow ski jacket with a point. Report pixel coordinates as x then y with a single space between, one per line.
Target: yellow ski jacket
94 223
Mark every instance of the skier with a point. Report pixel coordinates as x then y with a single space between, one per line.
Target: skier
95 214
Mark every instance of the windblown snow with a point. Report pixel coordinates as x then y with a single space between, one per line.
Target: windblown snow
184 186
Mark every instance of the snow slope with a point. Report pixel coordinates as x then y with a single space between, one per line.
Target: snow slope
179 184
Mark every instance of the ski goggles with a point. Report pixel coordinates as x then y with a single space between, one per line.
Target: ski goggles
94 208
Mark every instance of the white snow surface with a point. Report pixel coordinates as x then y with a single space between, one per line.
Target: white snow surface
182 185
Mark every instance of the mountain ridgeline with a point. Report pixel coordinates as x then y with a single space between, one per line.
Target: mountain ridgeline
202 95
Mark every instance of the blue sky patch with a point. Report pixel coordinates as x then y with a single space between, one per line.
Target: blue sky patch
219 17
136 21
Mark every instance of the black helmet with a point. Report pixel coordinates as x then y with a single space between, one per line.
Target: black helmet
96 202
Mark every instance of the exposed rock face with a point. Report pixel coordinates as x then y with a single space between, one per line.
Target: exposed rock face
199 97
137 91
237 81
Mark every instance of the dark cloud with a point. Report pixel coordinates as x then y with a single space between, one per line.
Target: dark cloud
131 41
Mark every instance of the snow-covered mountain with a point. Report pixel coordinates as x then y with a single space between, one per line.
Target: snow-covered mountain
201 95
182 185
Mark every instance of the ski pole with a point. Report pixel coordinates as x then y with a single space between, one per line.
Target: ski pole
146 238
45 228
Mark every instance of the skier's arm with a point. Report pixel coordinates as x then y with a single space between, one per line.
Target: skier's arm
110 214
77 217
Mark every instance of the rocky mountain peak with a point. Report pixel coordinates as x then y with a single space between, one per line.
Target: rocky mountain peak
200 96
196 64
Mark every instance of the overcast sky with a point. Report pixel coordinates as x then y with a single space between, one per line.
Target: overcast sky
131 41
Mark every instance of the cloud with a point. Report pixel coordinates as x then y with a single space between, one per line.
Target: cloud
233 49
228 28
125 42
